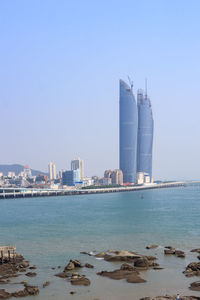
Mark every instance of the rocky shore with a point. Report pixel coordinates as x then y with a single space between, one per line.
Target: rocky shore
130 267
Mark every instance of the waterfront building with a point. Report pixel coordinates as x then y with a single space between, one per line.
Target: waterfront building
128 126
78 164
27 172
108 173
145 135
11 174
52 171
71 177
117 177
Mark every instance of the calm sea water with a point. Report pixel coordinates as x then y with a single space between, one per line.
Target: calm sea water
50 231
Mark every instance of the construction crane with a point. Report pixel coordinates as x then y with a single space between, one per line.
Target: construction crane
130 81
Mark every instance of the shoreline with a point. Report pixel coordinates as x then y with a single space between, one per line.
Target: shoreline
12 193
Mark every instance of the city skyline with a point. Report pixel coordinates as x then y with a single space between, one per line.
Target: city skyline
60 65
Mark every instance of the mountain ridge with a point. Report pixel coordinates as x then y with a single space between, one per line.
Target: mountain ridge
17 168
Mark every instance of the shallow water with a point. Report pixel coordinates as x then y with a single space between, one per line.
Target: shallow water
50 231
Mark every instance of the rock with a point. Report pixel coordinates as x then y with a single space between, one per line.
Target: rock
179 253
62 275
24 264
130 276
100 255
69 267
195 286
196 250
193 269
169 251
76 263
33 268
151 246
5 295
158 268
150 257
123 255
27 291
127 267
89 266
47 283
80 280
198 257
53 268
153 264
72 292
141 263
59 267
31 274
170 247
73 263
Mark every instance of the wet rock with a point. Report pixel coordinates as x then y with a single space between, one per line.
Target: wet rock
127 267
141 263
72 292
62 275
195 286
4 295
31 274
153 264
79 280
69 267
169 251
193 269
76 263
33 268
150 257
151 246
198 257
59 267
24 264
170 247
179 253
29 290
73 263
87 265
196 250
123 255
53 268
101 255
158 268
130 276
47 283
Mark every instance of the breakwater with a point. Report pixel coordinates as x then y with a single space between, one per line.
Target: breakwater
6 193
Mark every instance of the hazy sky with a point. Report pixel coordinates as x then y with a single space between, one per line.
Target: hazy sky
60 64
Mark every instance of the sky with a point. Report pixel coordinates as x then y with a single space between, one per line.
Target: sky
60 65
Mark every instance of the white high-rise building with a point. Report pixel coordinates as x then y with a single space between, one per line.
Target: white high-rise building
52 171
78 164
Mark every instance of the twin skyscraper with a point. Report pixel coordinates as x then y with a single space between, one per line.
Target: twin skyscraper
135 135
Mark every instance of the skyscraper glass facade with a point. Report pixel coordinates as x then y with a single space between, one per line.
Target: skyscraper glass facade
128 119
145 134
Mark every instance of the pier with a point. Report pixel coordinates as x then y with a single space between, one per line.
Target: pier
7 253
6 193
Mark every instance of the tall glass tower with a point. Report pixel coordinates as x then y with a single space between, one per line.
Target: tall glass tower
128 126
145 134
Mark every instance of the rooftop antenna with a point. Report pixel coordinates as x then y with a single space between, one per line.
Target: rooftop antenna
145 87
131 82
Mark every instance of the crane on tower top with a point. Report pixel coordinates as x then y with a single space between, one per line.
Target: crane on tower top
130 81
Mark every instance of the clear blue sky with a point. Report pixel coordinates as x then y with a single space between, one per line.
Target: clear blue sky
60 62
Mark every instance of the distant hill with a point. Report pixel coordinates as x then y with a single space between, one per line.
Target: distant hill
17 169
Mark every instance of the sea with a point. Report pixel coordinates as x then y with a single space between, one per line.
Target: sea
49 231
